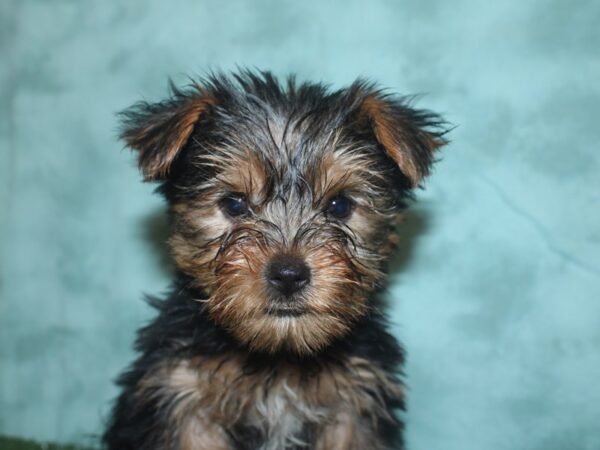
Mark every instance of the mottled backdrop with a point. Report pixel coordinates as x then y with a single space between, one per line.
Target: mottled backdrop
497 289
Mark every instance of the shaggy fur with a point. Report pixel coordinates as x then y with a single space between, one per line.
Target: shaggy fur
262 178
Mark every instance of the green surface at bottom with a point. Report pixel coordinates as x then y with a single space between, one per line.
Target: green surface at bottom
7 443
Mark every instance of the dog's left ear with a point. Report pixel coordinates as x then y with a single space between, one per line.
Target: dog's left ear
409 136
160 131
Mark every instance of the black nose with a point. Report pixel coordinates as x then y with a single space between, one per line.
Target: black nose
288 274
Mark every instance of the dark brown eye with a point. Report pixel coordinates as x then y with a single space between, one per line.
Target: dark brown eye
234 205
340 207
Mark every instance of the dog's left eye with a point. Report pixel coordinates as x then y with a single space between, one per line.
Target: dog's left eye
339 207
234 205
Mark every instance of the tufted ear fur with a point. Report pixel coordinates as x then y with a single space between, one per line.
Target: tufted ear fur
159 131
408 136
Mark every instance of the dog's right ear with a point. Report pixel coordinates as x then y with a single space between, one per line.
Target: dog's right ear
159 131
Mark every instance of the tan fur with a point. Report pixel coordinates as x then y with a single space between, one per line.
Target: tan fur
283 204
233 275
181 122
206 395
392 136
199 434
346 431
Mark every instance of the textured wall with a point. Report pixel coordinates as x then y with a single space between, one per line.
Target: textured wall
497 293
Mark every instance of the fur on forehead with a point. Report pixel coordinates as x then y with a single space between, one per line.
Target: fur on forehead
286 130
262 176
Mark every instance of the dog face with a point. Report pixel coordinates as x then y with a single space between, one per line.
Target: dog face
284 199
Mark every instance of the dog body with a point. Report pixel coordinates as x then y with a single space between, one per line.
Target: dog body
283 202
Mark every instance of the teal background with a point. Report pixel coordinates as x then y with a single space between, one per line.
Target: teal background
497 292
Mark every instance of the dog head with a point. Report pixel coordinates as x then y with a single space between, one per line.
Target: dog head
284 197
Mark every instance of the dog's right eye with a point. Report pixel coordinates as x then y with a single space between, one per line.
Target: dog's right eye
234 205
339 207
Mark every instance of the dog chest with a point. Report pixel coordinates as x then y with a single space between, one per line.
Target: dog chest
283 404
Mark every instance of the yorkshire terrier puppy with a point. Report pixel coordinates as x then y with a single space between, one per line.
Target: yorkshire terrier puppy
283 202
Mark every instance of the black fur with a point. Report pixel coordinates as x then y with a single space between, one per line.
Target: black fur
183 328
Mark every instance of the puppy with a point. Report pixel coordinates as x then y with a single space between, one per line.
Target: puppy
283 203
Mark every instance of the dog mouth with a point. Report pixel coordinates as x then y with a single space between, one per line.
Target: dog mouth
285 310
